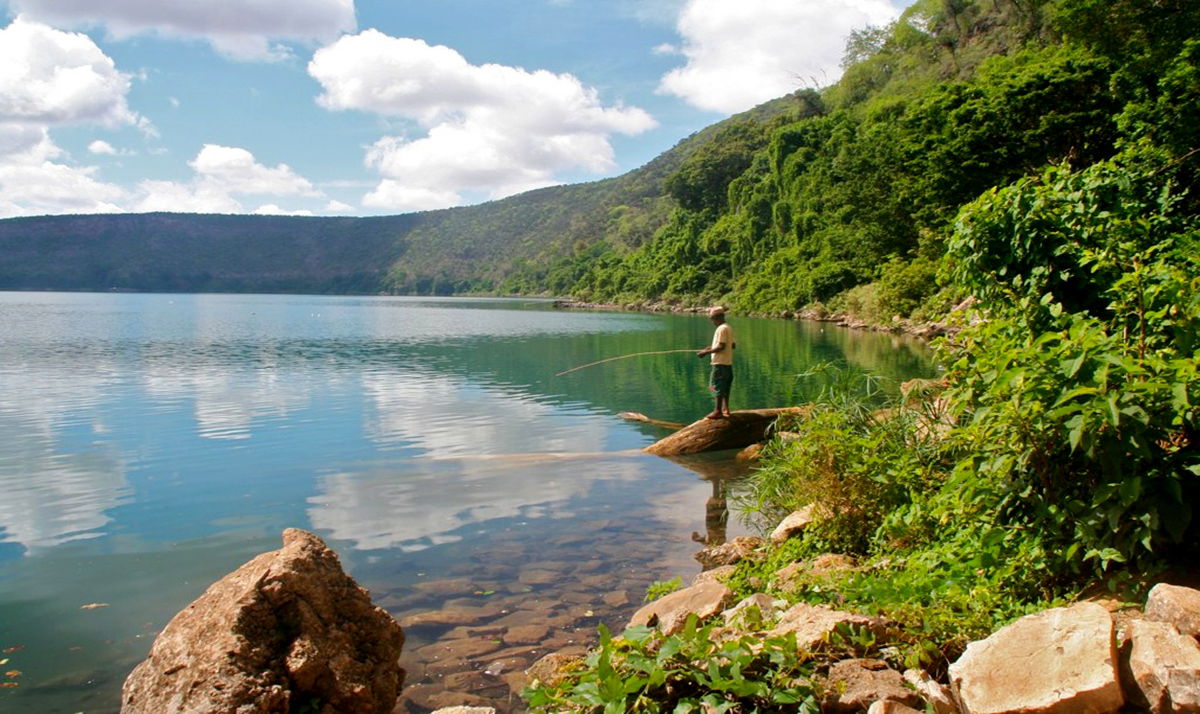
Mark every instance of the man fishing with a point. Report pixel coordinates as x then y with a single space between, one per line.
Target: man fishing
722 362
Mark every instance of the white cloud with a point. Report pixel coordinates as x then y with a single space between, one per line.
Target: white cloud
221 171
99 146
744 53
33 181
271 209
665 48
241 29
490 128
338 207
53 77
236 171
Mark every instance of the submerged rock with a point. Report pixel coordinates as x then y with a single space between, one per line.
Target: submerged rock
287 630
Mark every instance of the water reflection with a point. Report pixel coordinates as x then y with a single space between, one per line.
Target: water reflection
60 478
151 443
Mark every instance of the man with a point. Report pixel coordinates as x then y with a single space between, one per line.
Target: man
722 362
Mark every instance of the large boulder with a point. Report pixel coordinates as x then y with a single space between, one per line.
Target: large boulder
1161 669
1058 661
670 612
288 631
1176 605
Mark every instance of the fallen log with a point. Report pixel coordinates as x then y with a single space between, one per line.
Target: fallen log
638 416
738 430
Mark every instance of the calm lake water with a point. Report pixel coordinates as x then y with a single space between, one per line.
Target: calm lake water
150 444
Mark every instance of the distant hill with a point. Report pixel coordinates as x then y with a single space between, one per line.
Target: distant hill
466 249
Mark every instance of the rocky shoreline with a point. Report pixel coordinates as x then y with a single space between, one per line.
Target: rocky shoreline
290 630
898 326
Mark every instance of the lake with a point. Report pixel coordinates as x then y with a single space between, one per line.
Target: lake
150 444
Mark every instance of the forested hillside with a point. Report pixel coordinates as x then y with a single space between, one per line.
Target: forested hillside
848 203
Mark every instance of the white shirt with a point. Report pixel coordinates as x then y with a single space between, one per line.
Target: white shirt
723 333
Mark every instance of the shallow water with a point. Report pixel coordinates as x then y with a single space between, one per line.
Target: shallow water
149 444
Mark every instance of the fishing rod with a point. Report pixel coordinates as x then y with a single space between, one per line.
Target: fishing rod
610 359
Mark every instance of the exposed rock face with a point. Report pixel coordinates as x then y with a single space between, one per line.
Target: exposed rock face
812 624
286 630
670 612
854 684
1067 663
1177 605
729 553
887 706
1163 671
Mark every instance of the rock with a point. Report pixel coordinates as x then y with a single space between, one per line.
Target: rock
754 613
830 563
465 710
552 669
525 634
934 694
715 575
670 612
813 624
1161 669
1068 664
446 588
1177 605
750 453
794 523
454 650
616 598
886 706
287 630
729 553
450 616
854 684
789 576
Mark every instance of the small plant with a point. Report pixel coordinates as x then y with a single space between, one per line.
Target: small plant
662 588
692 671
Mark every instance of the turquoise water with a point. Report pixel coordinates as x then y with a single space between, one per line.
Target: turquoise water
149 444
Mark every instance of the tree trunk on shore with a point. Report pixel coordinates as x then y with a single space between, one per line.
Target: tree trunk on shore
740 429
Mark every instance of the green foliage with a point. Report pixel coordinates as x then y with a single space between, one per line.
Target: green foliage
692 671
1080 394
659 588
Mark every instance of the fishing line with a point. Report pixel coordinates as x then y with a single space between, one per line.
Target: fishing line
610 359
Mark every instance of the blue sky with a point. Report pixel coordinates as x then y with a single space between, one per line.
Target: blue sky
370 107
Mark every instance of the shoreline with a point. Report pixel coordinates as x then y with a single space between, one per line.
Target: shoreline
921 330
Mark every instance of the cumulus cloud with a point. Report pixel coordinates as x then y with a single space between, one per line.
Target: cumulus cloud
99 146
490 128
221 171
744 53
240 29
52 77
33 181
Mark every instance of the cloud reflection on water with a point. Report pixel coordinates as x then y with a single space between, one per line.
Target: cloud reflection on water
470 459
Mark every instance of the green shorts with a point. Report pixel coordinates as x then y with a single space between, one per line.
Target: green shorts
721 380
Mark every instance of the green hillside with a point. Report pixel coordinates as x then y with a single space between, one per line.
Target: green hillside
863 186
468 249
